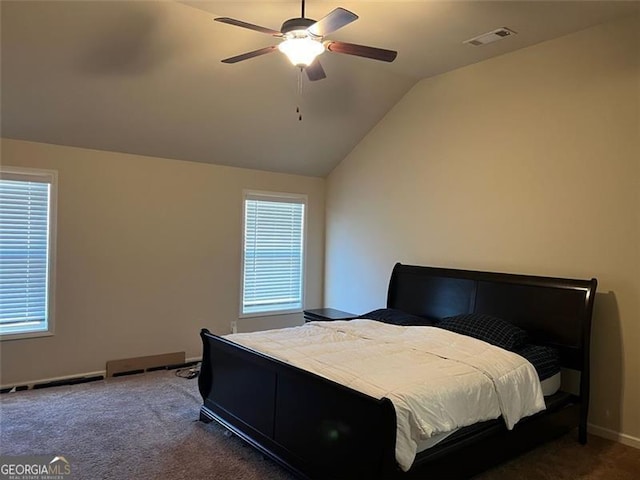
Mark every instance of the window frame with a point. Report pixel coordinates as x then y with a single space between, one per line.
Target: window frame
286 198
27 174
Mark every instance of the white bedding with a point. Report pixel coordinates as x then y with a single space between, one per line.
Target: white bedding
437 380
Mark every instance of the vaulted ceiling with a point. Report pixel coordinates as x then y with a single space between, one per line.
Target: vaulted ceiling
145 77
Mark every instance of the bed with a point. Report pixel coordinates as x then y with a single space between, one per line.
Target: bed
320 429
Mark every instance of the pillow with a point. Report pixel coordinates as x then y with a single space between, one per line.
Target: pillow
397 317
546 360
490 329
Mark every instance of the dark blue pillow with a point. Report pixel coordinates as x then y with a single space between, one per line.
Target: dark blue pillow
397 317
546 360
487 328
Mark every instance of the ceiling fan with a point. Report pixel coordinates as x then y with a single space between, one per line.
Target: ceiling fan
304 41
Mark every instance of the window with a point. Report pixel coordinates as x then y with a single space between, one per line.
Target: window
27 234
273 253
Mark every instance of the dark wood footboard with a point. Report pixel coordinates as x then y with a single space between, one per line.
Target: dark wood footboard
312 426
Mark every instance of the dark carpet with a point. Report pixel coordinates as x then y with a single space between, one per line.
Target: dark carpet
145 427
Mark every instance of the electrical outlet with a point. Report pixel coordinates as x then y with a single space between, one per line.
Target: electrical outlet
234 327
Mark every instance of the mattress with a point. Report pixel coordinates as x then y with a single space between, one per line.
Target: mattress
551 385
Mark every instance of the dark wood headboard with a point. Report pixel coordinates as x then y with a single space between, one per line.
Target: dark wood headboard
554 311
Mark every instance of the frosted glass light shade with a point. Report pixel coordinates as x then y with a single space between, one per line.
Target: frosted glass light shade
301 51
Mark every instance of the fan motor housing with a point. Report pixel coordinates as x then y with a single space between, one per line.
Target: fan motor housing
296 24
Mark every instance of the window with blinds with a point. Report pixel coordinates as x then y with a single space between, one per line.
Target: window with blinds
273 254
26 229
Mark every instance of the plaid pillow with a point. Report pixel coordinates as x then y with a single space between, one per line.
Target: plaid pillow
487 328
546 360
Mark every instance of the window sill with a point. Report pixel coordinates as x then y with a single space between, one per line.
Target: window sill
275 313
4 337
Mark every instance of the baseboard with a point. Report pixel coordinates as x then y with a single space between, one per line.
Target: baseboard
31 383
615 436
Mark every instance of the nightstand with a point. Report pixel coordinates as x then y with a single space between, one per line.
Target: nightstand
327 314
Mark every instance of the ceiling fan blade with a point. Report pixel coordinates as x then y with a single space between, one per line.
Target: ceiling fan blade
250 26
336 19
362 51
248 55
315 71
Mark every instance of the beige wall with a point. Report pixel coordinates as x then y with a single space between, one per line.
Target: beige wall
148 252
529 162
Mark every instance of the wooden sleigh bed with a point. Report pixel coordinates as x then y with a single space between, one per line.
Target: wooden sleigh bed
319 429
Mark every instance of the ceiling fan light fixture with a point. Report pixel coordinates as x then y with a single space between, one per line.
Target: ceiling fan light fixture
302 41
301 49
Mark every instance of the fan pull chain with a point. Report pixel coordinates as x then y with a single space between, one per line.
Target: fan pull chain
300 92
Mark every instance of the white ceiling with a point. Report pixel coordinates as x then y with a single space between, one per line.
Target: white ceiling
144 77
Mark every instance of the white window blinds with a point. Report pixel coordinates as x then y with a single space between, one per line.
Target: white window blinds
273 254
25 218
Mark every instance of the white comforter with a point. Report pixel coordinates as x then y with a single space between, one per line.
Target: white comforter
437 380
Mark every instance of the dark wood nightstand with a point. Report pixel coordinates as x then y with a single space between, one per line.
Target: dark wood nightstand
327 314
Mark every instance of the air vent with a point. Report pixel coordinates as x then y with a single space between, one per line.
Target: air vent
490 37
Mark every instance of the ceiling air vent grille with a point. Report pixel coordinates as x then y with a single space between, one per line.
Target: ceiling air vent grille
490 37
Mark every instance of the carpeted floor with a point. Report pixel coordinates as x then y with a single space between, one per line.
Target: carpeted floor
145 427
566 459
